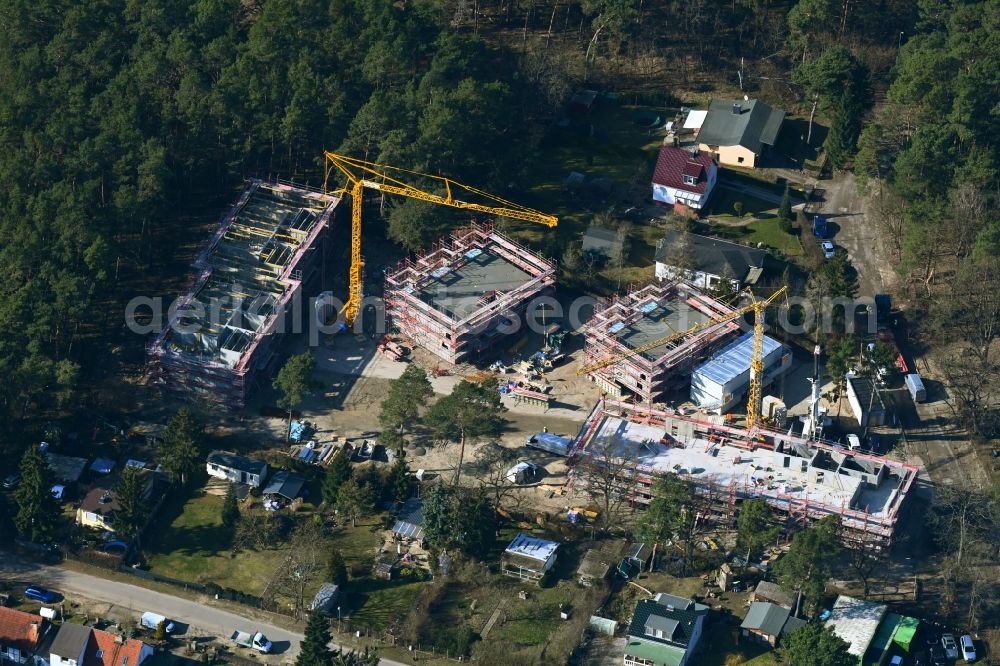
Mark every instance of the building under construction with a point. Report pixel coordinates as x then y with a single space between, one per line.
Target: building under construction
460 298
803 481
627 323
249 284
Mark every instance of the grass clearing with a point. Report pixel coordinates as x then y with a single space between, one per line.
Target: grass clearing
765 230
720 648
722 204
378 603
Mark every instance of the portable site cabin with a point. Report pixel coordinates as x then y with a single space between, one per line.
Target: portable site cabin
528 557
546 441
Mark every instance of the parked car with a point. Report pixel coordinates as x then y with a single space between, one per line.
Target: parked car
152 620
828 249
950 646
11 481
39 594
253 640
938 657
968 648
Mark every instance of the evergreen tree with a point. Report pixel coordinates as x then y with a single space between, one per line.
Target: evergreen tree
313 650
439 528
294 381
38 510
407 394
367 657
355 500
337 471
785 209
477 521
816 645
336 568
180 450
230 510
133 510
842 139
472 411
755 527
400 483
806 565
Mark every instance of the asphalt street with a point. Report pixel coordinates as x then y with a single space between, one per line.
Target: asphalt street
200 617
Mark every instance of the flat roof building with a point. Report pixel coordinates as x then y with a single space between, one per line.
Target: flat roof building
528 557
635 320
856 621
801 480
262 257
457 299
721 382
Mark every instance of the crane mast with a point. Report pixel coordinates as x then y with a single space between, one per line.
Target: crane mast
361 174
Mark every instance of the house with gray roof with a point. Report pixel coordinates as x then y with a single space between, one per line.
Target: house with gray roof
664 631
709 261
739 132
767 622
238 469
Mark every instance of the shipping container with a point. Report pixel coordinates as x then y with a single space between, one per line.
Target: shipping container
915 385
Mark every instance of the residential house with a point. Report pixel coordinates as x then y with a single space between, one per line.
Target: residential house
766 622
602 241
410 524
70 645
98 506
528 557
772 592
238 469
739 132
77 645
856 621
285 485
710 260
684 177
664 631
20 635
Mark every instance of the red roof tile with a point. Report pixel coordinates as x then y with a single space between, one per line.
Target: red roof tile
674 163
20 630
106 649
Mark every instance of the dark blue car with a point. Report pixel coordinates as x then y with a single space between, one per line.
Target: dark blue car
40 594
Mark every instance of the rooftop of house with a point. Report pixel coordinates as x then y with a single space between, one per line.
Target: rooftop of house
716 256
411 519
71 640
675 163
532 547
749 124
666 619
68 469
856 621
101 500
285 484
20 630
770 619
773 592
107 649
236 462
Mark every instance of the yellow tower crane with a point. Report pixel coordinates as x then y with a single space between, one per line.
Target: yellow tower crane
361 174
756 362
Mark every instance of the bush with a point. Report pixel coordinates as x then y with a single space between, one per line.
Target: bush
455 641
785 224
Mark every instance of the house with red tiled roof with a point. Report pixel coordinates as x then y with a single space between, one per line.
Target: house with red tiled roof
684 176
20 635
76 645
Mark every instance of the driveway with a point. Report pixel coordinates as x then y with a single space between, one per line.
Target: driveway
845 208
199 615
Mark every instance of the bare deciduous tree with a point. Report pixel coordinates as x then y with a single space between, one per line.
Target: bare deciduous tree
608 479
303 563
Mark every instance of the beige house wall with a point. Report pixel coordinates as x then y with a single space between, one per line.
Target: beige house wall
730 155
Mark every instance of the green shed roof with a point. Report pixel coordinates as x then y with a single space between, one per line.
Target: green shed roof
905 631
659 653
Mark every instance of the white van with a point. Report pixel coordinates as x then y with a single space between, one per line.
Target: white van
153 620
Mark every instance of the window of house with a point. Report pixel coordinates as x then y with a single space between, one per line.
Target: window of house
740 160
690 180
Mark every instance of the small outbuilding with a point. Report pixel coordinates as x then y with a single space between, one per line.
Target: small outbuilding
766 622
326 598
410 523
528 557
67 469
594 566
238 469
284 484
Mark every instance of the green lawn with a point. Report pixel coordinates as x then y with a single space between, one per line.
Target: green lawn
720 649
377 603
195 547
766 231
722 204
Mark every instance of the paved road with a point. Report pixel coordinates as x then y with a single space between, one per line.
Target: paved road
199 616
